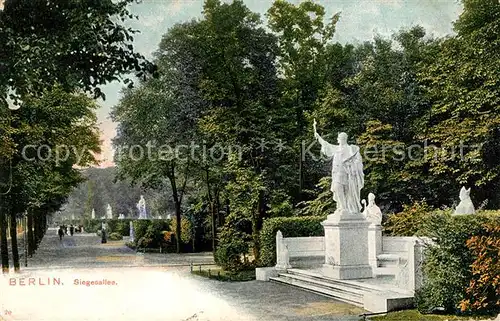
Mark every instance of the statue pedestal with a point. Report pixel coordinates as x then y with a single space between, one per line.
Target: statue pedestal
346 247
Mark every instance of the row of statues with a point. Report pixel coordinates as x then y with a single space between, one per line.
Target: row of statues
348 180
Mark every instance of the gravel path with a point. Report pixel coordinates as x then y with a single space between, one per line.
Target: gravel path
147 287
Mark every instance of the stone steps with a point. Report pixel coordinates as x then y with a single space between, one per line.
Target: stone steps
386 270
373 298
388 260
318 290
336 291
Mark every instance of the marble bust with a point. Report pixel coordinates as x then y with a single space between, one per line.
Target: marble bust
372 212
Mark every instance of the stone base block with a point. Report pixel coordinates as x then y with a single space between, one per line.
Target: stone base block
387 302
263 274
347 272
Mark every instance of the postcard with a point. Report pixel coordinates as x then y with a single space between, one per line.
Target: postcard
209 160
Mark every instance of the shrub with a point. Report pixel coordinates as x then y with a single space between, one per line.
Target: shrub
290 227
409 221
140 227
91 226
149 233
186 229
114 225
483 293
233 246
115 237
447 265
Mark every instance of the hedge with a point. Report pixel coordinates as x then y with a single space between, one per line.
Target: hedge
290 227
150 233
448 261
121 226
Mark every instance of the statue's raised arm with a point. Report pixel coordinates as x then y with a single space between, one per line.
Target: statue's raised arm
326 148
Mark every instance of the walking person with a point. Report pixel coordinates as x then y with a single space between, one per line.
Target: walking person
104 227
60 232
71 230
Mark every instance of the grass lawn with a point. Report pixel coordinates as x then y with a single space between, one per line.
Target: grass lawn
215 272
414 315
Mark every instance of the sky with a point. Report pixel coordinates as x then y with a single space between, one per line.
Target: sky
360 21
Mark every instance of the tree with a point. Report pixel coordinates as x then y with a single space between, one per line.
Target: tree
465 116
304 65
41 181
76 43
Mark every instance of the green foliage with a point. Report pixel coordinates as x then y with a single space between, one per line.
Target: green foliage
464 89
115 225
140 228
323 203
290 227
91 226
409 221
447 266
232 249
483 292
44 43
186 229
150 233
115 236
226 276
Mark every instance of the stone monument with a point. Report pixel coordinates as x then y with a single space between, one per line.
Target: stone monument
465 206
373 214
121 217
132 232
346 230
93 214
283 259
141 207
109 212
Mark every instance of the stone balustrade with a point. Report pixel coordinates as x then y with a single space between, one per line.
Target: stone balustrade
299 251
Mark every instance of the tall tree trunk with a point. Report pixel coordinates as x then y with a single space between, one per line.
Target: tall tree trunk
44 225
13 239
31 236
4 249
177 203
36 221
212 210
257 225
214 227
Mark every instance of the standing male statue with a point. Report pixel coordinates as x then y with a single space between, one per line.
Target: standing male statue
347 173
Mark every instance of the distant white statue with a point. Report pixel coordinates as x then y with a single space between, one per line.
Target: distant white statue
109 212
93 214
347 173
282 254
465 206
372 212
141 207
132 231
